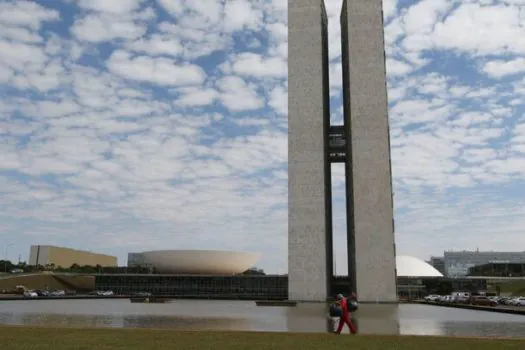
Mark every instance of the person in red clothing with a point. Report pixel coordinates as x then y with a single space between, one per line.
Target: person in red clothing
345 315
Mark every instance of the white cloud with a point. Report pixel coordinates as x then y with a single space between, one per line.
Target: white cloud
241 14
197 42
167 120
20 55
481 30
237 95
26 14
99 28
160 71
500 68
20 34
120 7
389 8
395 67
193 96
5 74
255 65
279 100
158 45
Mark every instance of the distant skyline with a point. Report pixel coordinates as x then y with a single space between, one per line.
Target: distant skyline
138 125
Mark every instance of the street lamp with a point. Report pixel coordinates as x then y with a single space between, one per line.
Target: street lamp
5 259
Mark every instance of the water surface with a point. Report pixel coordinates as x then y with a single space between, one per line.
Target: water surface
246 316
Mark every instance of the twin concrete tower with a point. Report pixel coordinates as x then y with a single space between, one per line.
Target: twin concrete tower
362 144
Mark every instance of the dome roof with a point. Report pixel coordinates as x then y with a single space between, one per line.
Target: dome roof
409 266
200 262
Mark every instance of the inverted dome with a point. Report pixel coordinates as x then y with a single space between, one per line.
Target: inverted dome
409 266
200 262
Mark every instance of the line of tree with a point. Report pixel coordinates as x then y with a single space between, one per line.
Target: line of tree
254 271
23 267
8 266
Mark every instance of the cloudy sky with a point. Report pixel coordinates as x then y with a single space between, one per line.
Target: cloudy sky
137 124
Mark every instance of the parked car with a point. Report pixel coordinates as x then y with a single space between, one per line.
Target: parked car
104 292
504 301
431 297
519 301
494 298
483 301
58 293
448 299
461 297
30 294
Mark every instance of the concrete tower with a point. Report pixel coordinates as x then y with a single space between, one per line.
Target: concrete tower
309 185
370 215
362 144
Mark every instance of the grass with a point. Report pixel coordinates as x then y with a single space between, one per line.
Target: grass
515 288
40 338
48 281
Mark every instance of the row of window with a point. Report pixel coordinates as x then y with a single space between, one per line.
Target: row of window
242 287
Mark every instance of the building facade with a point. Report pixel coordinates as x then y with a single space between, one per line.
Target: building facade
136 259
188 286
261 287
362 143
45 255
457 264
438 262
498 270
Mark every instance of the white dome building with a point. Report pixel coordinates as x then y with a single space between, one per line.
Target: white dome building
214 262
196 262
409 266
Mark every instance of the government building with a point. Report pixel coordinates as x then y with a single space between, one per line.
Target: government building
47 255
221 274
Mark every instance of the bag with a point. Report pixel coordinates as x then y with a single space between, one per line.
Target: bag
335 310
352 306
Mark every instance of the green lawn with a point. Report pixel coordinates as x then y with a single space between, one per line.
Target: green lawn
39 338
516 288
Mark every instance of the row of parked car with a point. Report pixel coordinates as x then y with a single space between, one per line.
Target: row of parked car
516 301
100 293
466 298
43 293
59 293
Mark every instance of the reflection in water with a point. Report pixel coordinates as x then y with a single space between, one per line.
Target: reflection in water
308 317
179 323
378 318
185 323
484 328
430 320
68 320
374 319
243 315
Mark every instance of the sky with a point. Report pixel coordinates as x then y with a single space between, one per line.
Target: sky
136 125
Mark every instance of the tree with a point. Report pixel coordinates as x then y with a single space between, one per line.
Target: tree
73 268
254 271
6 266
471 287
445 288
